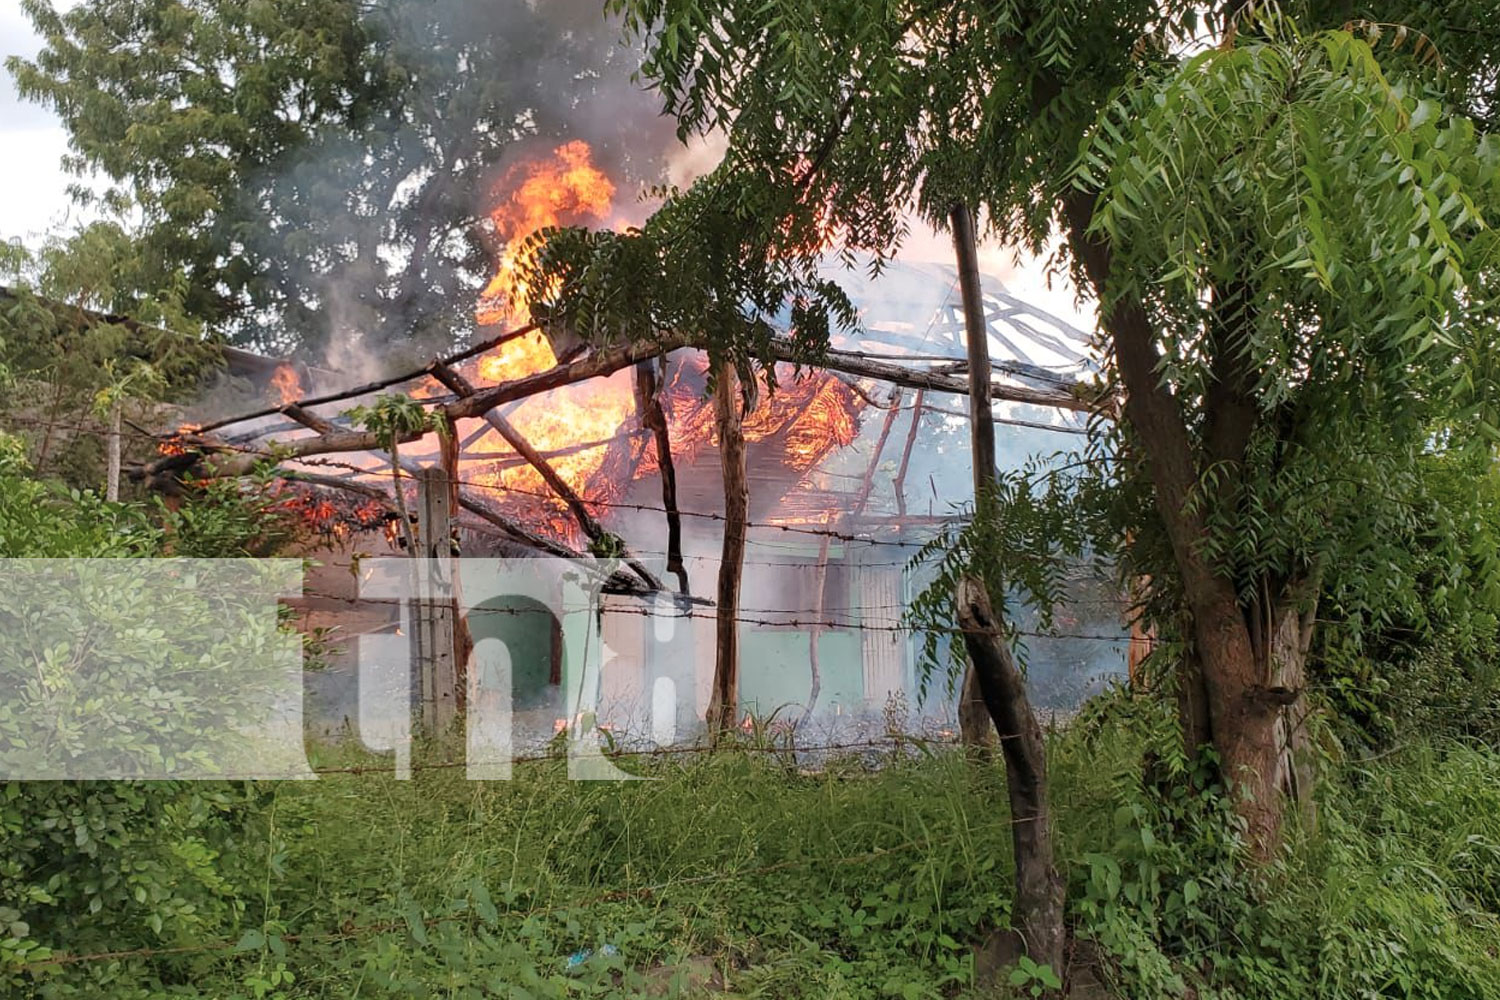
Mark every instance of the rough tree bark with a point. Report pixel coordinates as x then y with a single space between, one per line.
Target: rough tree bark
723 707
1240 708
1037 913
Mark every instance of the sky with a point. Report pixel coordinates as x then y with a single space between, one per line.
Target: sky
35 200
33 141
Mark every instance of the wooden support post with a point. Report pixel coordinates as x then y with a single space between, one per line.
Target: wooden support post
449 448
911 441
1037 913
654 419
994 690
973 719
820 583
723 706
435 614
868 484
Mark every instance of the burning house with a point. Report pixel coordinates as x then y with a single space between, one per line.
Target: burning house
850 468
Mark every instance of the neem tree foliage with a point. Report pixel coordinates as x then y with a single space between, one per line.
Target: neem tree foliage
1284 217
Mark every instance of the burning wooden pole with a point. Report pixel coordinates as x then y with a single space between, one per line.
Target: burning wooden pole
591 527
723 707
229 460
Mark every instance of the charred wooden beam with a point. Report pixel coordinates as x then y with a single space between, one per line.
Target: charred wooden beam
229 461
384 383
654 419
911 441
851 363
308 419
868 484
575 504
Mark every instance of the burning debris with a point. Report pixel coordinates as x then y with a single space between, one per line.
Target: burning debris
286 384
592 434
327 514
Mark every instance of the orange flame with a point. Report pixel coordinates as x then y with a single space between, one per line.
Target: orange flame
562 188
286 384
565 187
582 429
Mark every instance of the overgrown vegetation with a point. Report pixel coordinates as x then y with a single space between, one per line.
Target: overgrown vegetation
1287 216
739 873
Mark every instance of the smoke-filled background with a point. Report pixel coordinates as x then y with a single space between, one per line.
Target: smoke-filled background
314 176
396 212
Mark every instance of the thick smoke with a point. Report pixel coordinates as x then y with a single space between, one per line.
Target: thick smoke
376 242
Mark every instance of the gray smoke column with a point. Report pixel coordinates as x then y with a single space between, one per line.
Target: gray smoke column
376 234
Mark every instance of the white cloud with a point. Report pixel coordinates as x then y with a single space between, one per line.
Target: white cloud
32 143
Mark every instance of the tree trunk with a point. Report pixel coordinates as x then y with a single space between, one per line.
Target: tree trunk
973 721
1037 913
723 706
974 728
112 480
1241 713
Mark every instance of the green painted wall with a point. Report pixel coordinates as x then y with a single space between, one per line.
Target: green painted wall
525 626
775 671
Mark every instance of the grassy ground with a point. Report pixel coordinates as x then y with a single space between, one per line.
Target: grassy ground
741 874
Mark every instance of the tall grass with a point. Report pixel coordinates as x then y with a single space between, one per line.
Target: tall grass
742 874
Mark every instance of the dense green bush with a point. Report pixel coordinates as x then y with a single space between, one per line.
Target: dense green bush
1417 651
115 866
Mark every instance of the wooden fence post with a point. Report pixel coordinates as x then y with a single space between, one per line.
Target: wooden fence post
435 614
